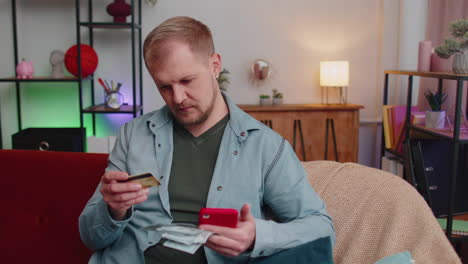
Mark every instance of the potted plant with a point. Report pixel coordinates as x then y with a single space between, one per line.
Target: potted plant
223 80
436 117
277 97
457 46
151 2
265 99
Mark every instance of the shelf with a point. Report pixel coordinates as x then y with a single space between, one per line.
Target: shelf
445 134
421 132
457 238
124 109
109 25
40 79
438 75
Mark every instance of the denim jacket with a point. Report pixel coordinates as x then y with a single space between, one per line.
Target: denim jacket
255 165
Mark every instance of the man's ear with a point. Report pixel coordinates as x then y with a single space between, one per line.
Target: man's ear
216 64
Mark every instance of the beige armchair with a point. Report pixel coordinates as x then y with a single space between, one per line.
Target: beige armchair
377 214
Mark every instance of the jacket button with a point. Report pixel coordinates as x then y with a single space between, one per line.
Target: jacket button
235 152
243 134
219 188
261 252
153 125
159 145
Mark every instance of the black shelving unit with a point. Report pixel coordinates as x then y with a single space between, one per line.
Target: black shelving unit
134 26
455 137
18 82
136 51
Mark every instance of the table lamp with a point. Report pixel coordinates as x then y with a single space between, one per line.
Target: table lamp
334 75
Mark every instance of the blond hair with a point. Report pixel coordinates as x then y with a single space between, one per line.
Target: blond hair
181 29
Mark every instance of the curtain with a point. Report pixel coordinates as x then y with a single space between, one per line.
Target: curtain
440 14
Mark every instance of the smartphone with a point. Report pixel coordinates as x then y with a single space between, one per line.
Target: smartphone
218 216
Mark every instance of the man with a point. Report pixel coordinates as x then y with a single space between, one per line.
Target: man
206 152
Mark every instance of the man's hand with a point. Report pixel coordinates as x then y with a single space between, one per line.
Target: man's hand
121 196
233 241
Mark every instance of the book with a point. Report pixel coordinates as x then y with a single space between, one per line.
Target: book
400 170
392 166
459 227
386 164
418 118
386 126
397 122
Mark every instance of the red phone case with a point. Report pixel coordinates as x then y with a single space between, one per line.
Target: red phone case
218 216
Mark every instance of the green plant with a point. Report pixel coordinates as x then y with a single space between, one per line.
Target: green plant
435 100
276 94
223 79
458 44
264 96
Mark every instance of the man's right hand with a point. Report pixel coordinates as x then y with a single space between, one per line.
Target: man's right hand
120 196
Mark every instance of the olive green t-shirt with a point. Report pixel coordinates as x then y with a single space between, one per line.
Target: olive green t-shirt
193 163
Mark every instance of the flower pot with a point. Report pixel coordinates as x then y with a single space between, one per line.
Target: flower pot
435 119
460 63
277 101
265 101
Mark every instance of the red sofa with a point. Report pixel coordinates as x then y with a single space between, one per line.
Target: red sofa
43 195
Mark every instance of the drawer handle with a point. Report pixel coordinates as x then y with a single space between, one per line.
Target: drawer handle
44 145
433 187
429 169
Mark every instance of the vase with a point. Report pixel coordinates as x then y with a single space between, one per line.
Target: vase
460 63
114 100
265 101
435 119
277 101
119 9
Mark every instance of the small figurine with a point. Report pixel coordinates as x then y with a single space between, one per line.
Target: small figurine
56 60
24 70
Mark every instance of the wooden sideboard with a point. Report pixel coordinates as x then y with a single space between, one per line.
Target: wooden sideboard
313 121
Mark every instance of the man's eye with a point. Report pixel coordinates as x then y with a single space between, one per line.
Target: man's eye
186 81
164 87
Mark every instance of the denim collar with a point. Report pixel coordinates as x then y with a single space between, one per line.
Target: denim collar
240 122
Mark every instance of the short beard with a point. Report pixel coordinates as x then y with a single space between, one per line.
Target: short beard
202 118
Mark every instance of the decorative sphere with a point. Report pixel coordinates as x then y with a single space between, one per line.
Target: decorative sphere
89 60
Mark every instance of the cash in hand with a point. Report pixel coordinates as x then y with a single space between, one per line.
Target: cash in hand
184 237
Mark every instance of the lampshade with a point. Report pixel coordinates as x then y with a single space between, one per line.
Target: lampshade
334 73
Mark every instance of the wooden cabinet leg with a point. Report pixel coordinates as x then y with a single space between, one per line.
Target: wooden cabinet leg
267 123
298 125
330 123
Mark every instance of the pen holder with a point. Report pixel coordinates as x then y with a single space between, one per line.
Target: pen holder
114 100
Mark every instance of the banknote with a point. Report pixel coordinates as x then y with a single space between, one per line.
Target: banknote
174 227
182 247
184 237
199 238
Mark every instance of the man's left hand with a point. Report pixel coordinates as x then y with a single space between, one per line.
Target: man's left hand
233 241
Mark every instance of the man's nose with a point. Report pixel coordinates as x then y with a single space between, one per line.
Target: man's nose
179 94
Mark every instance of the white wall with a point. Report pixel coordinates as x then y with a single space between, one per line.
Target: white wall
413 15
293 35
